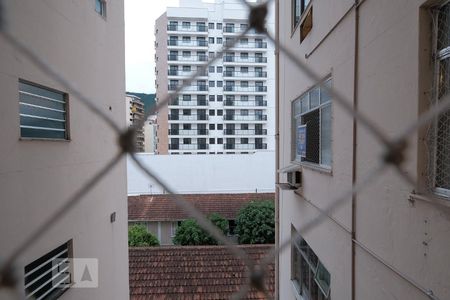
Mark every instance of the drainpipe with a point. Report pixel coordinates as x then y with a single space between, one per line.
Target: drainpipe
277 146
354 133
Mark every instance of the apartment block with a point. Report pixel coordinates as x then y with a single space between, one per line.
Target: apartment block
389 60
135 115
52 145
227 108
150 134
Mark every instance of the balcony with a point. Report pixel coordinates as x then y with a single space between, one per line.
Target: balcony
192 29
238 30
185 73
245 117
255 45
190 43
247 89
191 58
257 103
188 117
188 146
259 74
241 59
189 88
245 146
188 132
249 132
177 102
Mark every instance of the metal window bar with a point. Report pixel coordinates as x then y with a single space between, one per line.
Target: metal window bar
256 272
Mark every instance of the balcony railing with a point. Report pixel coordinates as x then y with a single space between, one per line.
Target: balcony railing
188 146
176 102
188 132
259 74
188 117
238 88
255 45
245 132
245 146
248 59
190 43
201 88
192 58
237 30
185 73
245 117
245 103
195 28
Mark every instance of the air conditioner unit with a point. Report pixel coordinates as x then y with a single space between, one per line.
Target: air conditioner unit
294 179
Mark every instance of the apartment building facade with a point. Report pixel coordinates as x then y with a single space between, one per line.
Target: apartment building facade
228 108
389 60
135 116
52 145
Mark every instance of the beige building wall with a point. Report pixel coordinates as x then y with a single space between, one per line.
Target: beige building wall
391 83
161 83
162 230
38 176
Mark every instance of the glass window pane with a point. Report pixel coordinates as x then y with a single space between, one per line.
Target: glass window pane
324 95
314 98
325 135
36 122
39 133
323 279
304 104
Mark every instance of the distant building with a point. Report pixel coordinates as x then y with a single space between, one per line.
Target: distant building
195 272
162 216
150 135
52 145
135 115
229 108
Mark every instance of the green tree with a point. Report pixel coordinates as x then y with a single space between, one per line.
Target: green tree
138 236
255 223
190 233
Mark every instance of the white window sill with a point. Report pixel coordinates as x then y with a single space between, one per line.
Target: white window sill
316 167
432 198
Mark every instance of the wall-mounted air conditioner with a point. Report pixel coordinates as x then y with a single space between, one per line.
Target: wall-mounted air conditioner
294 179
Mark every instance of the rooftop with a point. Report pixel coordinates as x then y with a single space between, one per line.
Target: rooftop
162 208
193 272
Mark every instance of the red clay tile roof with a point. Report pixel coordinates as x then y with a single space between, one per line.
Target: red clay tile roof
193 272
162 208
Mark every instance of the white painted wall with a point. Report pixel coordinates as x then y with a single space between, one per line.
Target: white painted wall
205 173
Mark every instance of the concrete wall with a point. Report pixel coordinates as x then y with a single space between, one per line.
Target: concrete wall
205 173
37 177
394 53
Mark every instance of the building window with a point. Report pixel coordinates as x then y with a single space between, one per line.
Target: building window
100 7
309 275
439 135
219 40
212 112
298 8
219 141
219 126
212 98
220 112
211 83
219 25
219 98
219 84
219 69
212 126
50 275
211 25
312 126
43 112
211 69
211 40
186 25
212 141
173 228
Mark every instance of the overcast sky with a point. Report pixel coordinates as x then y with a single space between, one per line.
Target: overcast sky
140 16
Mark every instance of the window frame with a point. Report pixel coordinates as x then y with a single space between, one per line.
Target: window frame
297 119
102 10
438 56
305 7
67 135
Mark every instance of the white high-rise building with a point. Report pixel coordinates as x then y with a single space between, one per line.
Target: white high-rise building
229 108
